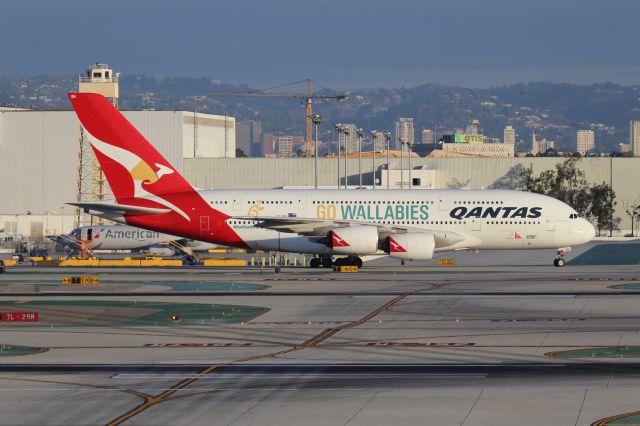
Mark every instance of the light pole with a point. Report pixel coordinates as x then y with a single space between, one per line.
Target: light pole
316 120
387 139
347 133
401 142
410 146
339 130
374 136
610 197
360 134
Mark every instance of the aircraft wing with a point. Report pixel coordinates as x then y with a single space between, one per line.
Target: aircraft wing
320 227
117 209
295 225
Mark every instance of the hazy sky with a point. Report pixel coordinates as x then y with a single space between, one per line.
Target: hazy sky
339 43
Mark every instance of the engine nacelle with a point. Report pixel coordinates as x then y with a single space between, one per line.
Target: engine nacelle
360 239
411 246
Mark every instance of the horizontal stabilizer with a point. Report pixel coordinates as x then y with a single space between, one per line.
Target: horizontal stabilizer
118 209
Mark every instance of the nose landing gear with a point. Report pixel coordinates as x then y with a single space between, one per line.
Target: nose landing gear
559 260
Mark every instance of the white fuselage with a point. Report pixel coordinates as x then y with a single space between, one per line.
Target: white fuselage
487 219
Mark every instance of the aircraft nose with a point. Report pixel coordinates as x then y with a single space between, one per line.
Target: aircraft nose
587 230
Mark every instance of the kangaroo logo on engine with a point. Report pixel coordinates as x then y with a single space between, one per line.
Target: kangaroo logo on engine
496 212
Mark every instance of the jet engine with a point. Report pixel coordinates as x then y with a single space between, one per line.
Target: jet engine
360 239
411 246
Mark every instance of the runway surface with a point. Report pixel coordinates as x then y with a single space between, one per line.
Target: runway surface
474 344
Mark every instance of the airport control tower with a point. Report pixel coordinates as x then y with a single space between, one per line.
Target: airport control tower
98 78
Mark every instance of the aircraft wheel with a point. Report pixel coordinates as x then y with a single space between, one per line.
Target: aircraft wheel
315 262
402 262
327 262
559 262
277 270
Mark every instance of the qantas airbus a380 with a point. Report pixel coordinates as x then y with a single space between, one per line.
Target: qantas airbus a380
404 224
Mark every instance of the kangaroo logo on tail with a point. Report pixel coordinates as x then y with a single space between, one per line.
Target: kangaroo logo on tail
141 173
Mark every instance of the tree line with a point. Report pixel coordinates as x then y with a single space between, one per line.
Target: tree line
567 183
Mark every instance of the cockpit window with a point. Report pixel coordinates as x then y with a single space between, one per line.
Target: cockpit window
574 216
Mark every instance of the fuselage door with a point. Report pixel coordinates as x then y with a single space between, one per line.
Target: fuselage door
89 234
237 203
302 204
442 200
204 223
551 223
476 225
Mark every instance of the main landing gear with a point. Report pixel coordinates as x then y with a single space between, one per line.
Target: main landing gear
559 260
327 261
324 261
349 261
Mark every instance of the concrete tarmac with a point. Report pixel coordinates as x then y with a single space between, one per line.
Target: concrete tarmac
420 344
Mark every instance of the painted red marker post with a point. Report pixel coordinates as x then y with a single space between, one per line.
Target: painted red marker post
19 317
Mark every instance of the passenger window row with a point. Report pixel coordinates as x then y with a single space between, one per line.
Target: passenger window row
372 202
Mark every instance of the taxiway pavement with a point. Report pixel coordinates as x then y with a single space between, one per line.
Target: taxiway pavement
420 344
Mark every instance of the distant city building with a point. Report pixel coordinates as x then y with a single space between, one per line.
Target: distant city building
585 141
472 127
380 142
350 140
281 146
474 150
624 148
249 137
285 146
509 135
634 137
428 136
472 145
404 131
475 138
541 146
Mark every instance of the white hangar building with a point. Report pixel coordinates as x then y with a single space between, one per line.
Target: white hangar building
39 159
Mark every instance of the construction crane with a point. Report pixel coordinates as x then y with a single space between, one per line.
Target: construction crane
307 97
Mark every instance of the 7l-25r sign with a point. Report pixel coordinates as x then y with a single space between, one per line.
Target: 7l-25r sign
19 317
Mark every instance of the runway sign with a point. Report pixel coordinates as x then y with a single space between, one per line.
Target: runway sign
19 317
81 280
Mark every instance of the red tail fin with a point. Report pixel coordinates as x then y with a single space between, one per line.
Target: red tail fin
139 175
125 156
